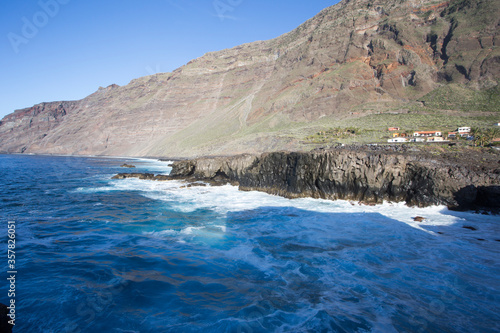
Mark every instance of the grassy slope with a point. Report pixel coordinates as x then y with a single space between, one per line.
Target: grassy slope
444 109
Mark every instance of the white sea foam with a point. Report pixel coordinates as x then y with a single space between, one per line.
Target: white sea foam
95 189
228 200
153 165
190 230
162 233
225 199
290 265
221 227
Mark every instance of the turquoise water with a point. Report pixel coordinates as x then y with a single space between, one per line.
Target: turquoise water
101 255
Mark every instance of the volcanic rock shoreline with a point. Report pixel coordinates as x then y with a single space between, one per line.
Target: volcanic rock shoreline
460 179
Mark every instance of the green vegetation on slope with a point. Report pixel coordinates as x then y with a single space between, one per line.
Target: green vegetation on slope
459 97
372 128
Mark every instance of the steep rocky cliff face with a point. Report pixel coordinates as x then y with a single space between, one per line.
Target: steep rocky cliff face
365 175
358 55
32 125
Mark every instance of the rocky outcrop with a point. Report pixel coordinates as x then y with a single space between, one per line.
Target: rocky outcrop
355 58
368 176
24 129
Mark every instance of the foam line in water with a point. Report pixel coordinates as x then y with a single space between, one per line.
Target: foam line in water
224 199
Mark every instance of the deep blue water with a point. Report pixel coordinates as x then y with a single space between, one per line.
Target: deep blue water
101 255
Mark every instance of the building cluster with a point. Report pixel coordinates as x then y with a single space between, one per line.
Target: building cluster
463 132
427 136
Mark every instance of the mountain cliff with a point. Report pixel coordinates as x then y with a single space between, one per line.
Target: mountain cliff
353 59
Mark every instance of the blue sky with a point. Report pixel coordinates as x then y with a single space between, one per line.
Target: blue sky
53 50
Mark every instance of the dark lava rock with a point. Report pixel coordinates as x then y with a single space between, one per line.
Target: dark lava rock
125 165
469 227
162 177
366 174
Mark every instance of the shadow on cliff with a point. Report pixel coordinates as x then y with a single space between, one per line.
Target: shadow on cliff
323 229
323 253
288 232
478 198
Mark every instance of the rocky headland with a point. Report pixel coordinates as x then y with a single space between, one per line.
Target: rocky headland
463 179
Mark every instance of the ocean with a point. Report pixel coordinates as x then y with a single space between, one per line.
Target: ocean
94 254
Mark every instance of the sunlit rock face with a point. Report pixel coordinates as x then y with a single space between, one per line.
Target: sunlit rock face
363 55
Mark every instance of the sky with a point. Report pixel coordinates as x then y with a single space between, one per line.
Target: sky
53 50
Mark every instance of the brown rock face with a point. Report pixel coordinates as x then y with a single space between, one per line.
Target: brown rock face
359 52
27 127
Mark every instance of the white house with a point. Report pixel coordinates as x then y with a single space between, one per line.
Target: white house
398 140
463 130
427 133
435 139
